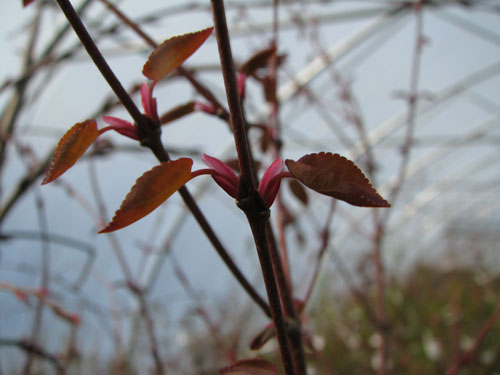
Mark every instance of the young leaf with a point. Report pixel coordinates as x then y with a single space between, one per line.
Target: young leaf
177 112
173 52
150 190
254 366
70 148
27 2
257 61
337 177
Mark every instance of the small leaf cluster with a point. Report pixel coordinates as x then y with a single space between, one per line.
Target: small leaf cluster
329 174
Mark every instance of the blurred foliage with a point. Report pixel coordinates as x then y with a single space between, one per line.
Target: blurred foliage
433 316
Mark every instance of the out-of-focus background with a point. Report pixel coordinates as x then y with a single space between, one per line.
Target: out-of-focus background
410 92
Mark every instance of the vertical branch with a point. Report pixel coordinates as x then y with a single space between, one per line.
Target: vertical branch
153 131
274 123
44 279
412 99
12 111
236 115
325 239
380 308
289 308
381 222
258 226
249 199
280 258
200 309
470 353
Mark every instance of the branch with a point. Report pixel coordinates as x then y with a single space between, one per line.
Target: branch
33 349
469 355
249 199
162 155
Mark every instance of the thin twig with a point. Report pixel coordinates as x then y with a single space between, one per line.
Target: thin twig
294 324
133 287
100 61
42 219
200 309
33 349
154 143
469 355
325 239
61 240
200 88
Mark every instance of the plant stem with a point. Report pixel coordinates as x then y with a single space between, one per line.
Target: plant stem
41 214
381 221
289 308
236 115
200 88
99 60
151 139
249 199
162 155
258 223
469 355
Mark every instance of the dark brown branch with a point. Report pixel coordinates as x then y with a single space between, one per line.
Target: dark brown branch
249 199
163 155
236 115
99 61
294 326
33 349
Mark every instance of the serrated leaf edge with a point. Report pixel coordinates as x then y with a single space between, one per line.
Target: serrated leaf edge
129 194
207 30
370 186
73 131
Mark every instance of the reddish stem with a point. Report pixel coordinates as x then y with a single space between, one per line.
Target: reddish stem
470 353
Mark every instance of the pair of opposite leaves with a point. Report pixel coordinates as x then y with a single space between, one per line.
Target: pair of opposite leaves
329 174
326 173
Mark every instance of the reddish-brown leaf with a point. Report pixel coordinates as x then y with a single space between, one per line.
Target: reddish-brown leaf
337 177
151 190
173 52
253 366
257 61
177 112
70 148
27 2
